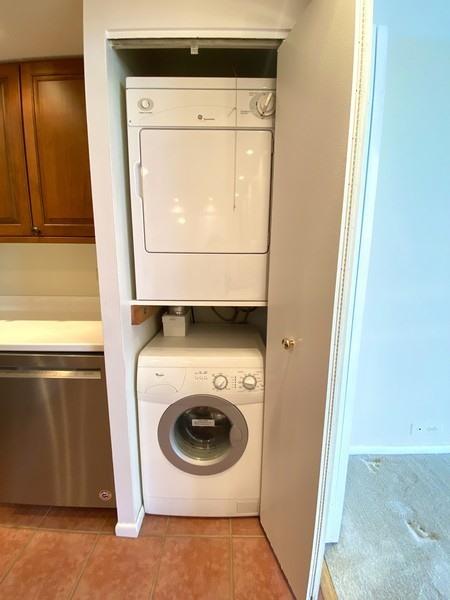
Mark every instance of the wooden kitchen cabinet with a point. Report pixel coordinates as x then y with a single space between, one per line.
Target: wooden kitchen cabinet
15 212
54 116
44 152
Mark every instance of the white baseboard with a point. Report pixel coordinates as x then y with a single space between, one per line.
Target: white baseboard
399 450
130 530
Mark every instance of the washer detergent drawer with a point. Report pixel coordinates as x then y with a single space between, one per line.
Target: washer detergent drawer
206 190
55 444
159 384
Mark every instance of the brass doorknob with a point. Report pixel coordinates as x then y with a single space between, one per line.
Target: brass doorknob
288 343
35 230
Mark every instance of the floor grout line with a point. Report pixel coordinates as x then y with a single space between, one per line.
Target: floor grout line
158 568
231 563
83 568
106 533
166 533
44 517
200 535
56 529
21 553
249 535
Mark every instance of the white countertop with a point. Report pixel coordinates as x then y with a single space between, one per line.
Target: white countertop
50 336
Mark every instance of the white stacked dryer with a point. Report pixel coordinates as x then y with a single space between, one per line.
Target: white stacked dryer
200 152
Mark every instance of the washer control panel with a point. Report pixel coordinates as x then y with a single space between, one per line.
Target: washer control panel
233 380
249 382
166 384
220 382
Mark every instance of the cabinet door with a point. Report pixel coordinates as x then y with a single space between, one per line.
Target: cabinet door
15 216
54 116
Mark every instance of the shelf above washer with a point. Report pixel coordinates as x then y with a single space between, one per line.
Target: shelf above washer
154 303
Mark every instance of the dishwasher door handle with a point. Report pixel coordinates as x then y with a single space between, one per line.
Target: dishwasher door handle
50 374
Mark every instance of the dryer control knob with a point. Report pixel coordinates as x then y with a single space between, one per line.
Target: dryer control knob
249 382
265 104
145 104
220 382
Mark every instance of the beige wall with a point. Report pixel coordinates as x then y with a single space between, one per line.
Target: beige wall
48 270
55 28
36 30
138 15
40 29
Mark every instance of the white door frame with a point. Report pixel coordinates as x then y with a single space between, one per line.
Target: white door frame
337 427
355 284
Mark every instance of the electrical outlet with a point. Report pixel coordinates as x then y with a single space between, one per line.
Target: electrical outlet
423 428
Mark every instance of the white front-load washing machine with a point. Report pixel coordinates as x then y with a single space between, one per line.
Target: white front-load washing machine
200 406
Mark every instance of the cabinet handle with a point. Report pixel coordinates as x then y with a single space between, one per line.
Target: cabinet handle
35 230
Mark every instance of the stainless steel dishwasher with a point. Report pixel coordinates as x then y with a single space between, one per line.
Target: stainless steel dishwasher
55 446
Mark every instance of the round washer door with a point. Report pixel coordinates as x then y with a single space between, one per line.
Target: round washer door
202 434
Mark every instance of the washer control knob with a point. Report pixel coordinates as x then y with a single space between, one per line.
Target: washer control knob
249 382
265 104
220 382
145 104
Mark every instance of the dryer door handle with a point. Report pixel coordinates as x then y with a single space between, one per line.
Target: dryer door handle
138 180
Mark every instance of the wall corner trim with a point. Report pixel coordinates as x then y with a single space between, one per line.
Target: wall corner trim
130 530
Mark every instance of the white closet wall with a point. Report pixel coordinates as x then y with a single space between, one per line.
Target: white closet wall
105 72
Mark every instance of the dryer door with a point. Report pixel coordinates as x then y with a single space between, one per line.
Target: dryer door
202 434
206 190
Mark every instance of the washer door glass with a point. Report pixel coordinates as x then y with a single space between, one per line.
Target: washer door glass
203 434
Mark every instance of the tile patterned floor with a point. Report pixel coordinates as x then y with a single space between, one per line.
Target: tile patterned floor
59 553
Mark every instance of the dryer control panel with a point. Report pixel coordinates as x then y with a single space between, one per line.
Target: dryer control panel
200 102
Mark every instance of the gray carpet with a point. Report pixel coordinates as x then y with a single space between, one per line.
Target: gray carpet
395 539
